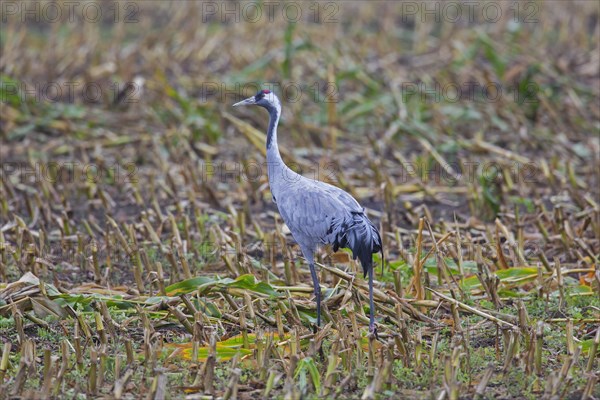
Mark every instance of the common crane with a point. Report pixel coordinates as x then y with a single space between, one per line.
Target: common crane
315 212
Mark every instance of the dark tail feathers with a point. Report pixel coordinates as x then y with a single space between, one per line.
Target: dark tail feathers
363 238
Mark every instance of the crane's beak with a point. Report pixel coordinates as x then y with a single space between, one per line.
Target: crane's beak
248 101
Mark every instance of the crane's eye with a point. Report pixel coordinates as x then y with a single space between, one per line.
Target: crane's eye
261 94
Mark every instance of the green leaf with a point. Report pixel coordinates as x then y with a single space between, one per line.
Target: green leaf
249 282
510 293
189 285
308 365
205 283
207 307
527 202
581 290
10 91
586 346
225 350
431 265
509 277
307 316
72 300
517 275
223 353
492 55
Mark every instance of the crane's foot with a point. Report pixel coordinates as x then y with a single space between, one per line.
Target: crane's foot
320 352
373 332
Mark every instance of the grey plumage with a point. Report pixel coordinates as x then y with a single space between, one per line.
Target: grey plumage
315 212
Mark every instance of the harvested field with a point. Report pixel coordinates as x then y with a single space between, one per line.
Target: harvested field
142 256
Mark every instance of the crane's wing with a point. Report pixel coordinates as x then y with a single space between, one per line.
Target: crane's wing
309 208
316 212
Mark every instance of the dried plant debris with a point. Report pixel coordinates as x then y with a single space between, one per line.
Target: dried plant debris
142 256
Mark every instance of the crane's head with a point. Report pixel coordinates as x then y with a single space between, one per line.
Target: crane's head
264 98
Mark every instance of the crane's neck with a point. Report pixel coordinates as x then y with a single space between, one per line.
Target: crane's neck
274 113
277 171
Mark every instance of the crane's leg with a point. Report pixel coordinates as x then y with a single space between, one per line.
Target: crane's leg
372 328
317 290
309 255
